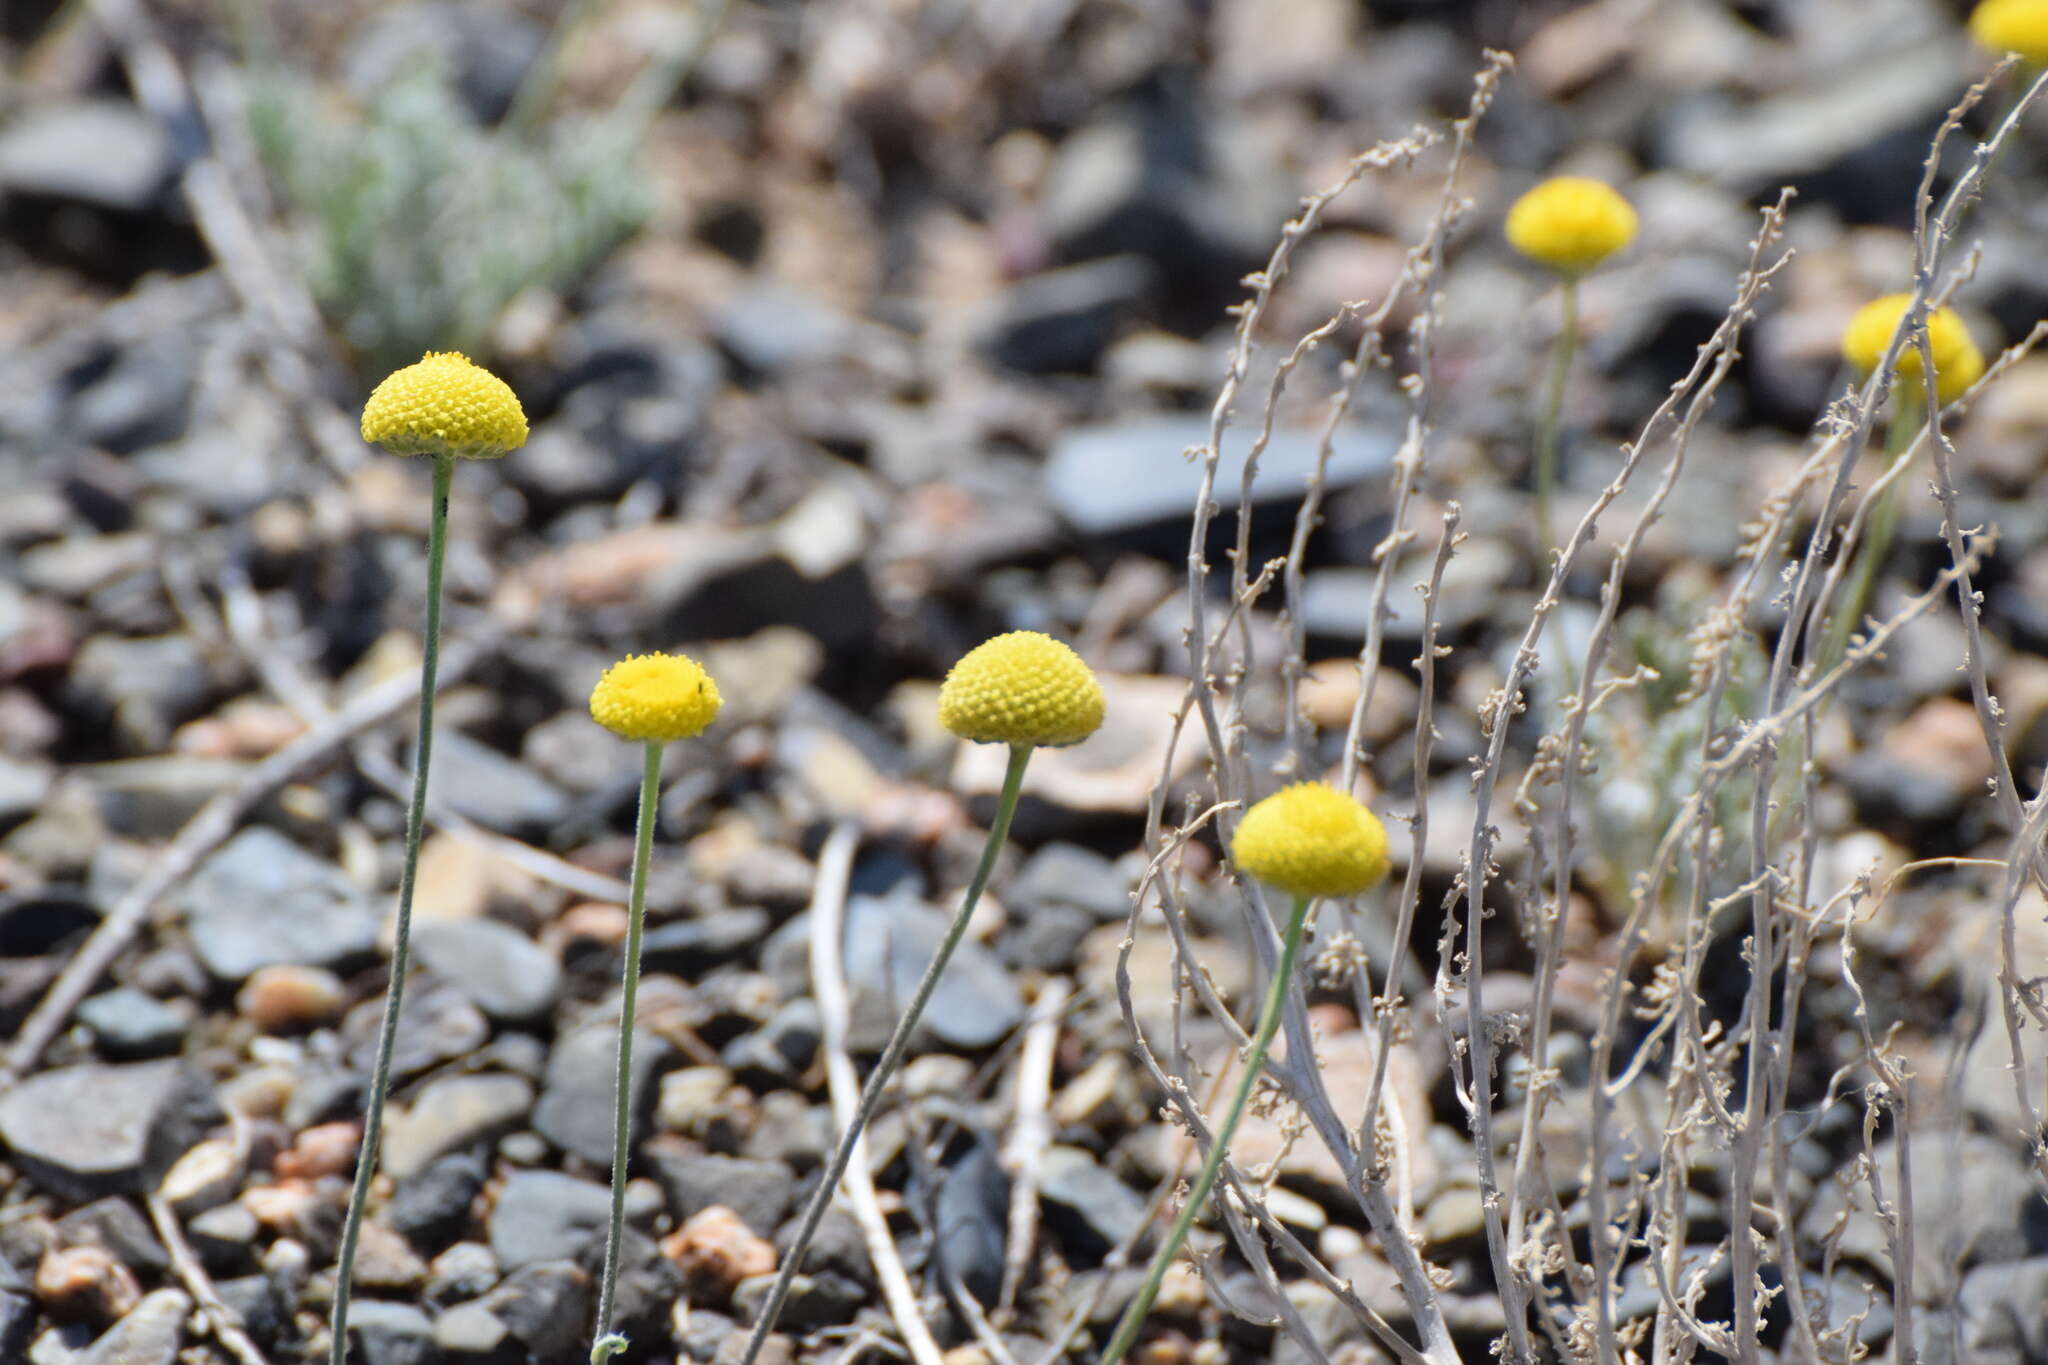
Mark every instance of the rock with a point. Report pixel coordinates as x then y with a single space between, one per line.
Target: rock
889 941
392 1333
259 1305
103 152
790 1132
466 1270
142 399
577 1104
289 998
497 792
1105 479
970 1219
760 1193
385 1263
225 1237
502 971
715 1250
1045 940
17 1323
450 1114
92 1130
85 1284
1061 321
1999 1306
32 926
1928 766
814 1300
262 901
697 1101
148 684
488 50
649 1284
1070 875
546 1216
771 327
1088 1200
690 947
781 1050
206 1176
24 782
436 1024
119 1227
547 1308
326 1149
130 1025
151 1334
470 1331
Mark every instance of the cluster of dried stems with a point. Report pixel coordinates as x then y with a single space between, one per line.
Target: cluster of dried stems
1672 1093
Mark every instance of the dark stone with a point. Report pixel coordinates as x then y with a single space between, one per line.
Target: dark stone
82 1132
546 1307
224 1237
546 1216
2000 1307
889 942
760 1192
688 947
970 1217
262 1310
118 1227
1044 939
1092 1209
262 901
1062 874
392 1333
502 971
431 1209
576 1105
129 1025
648 1286
702 1333
837 1247
17 1321
436 1024
1061 321
31 926
814 1301
780 1050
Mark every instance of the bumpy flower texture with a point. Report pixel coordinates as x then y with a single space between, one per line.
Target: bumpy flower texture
1312 840
2019 26
444 405
1957 361
1023 688
655 697
1571 224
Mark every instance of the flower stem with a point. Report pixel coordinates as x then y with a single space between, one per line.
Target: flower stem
1907 414
1561 352
892 1056
610 1343
394 994
1255 1062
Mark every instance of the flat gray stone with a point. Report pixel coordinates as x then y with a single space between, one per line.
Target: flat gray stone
262 901
546 1216
450 1114
86 1131
577 1103
492 789
152 1333
102 151
503 972
889 941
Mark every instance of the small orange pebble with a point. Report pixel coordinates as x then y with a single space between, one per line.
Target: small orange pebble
85 1284
324 1149
283 998
715 1251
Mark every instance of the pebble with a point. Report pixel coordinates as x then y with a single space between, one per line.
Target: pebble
450 1114
223 1237
970 1219
262 901
760 1193
577 1104
466 1270
392 1333
693 1101
289 998
86 1131
1061 874
130 1025
814 1300
436 1024
546 1216
85 1284
471 1331
385 1263
117 1226
547 1308
503 972
690 947
17 1323
206 1176
1075 1184
889 941
781 1050
151 1334
497 792
322 1150
715 1250
432 1207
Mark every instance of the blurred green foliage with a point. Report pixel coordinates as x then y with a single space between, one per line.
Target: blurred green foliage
419 225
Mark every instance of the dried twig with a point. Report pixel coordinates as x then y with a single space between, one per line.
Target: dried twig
1030 1133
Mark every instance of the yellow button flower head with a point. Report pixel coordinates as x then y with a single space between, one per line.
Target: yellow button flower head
656 697
1021 688
1312 840
1571 224
2019 26
1957 361
444 405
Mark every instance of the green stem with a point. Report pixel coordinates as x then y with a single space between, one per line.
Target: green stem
610 1343
1561 352
394 994
1255 1061
892 1056
1907 415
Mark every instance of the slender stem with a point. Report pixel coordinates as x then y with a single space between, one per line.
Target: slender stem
1877 542
394 994
1561 352
892 1056
608 1342
1255 1062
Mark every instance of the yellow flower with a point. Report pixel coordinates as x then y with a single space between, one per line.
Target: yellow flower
657 697
1312 840
1957 361
444 405
2019 26
1021 688
1570 223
